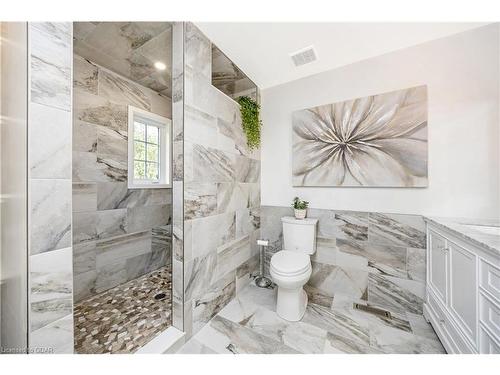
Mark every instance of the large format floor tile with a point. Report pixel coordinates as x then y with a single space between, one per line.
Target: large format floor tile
249 324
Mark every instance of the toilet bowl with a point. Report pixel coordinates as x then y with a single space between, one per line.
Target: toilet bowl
290 270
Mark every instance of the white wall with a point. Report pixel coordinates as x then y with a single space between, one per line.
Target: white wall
462 75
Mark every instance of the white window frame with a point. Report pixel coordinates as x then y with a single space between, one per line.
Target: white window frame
164 168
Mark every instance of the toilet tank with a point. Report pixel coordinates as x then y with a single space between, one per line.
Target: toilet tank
299 234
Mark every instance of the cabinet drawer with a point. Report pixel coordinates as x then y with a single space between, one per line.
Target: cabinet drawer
487 344
490 279
489 315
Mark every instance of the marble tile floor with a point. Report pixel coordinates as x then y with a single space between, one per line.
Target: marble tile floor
250 325
124 318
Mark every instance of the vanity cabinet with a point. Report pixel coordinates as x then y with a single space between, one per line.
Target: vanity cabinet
463 292
438 272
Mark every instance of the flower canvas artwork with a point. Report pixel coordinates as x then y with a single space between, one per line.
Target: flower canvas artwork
378 140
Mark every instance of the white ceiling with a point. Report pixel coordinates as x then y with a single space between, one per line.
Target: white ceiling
262 50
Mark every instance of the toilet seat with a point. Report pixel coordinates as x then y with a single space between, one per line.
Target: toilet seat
290 263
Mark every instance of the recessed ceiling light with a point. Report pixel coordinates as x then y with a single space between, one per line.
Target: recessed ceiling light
160 66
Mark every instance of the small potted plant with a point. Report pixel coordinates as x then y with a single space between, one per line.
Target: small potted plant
300 208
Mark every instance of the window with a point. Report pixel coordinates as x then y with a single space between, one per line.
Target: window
148 150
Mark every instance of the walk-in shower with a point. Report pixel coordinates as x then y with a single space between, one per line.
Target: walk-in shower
122 201
132 195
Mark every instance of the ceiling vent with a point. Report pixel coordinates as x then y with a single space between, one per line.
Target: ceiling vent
304 56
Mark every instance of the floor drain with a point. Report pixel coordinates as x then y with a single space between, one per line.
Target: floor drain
372 310
160 296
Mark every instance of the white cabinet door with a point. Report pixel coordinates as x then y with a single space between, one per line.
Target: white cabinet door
463 288
487 344
437 265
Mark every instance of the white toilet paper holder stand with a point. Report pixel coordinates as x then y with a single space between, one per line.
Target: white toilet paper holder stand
262 281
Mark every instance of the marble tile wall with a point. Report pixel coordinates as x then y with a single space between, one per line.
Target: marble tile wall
221 190
178 175
375 257
119 234
49 164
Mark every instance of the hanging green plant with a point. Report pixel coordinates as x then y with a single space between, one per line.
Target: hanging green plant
250 120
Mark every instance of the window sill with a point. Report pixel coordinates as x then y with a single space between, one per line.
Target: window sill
150 186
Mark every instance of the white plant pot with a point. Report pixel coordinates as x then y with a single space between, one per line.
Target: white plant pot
300 214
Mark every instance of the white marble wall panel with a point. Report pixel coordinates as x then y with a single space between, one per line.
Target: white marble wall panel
111 275
56 32
379 258
120 233
200 127
57 337
50 68
211 232
212 165
415 264
84 137
112 195
84 284
147 262
198 53
50 142
49 158
221 190
111 144
247 271
111 223
84 226
85 74
99 111
253 195
218 295
396 294
51 287
141 218
50 215
84 197
121 90
86 168
179 242
247 220
247 170
84 257
123 247
200 199
232 255
397 229
232 196
199 275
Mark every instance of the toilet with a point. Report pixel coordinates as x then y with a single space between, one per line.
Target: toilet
291 267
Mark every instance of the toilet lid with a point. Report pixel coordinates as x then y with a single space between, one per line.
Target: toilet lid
290 262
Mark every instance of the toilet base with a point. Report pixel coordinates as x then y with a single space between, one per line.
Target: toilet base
291 304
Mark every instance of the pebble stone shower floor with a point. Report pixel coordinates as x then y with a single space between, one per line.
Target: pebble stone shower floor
126 317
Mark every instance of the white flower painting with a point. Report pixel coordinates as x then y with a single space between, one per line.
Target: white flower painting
379 140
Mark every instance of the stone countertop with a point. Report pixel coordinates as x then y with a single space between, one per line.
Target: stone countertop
469 229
